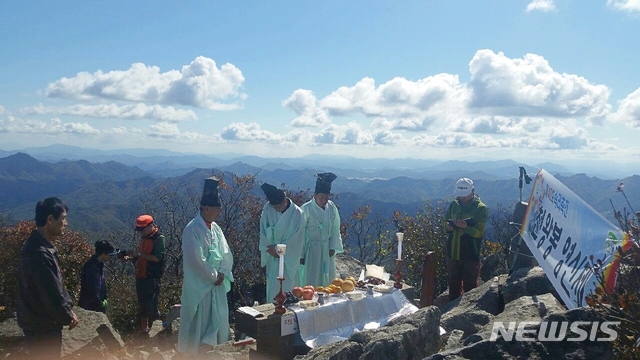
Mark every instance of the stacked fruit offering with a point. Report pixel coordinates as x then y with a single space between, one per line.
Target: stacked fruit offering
338 285
305 293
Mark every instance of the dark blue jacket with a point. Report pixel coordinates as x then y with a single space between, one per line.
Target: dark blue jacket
93 289
43 302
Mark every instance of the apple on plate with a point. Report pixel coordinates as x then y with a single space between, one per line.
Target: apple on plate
307 293
297 292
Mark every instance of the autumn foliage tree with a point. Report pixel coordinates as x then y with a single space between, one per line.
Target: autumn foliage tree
424 232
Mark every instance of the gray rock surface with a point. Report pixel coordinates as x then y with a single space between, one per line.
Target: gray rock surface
94 337
348 266
527 281
511 349
411 337
484 297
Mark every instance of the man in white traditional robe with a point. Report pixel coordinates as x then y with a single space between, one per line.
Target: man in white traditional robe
322 235
207 263
281 222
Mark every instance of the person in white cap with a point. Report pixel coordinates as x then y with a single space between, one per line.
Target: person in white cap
466 220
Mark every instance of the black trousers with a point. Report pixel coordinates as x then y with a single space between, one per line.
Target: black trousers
148 291
43 345
463 275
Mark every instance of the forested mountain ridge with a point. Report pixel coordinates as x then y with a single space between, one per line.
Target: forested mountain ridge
106 196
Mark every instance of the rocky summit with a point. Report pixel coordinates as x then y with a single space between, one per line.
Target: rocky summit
525 295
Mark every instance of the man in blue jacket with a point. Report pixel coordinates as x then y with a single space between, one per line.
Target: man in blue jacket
44 305
93 288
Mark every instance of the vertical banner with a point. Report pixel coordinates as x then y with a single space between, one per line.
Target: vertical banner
567 237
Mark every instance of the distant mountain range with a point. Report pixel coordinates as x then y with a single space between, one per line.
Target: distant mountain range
105 196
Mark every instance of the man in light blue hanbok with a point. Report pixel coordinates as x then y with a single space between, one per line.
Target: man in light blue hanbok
281 222
322 240
207 263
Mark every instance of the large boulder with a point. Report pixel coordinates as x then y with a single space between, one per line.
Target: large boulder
10 332
348 266
510 348
93 338
492 266
469 322
409 337
485 297
527 282
527 308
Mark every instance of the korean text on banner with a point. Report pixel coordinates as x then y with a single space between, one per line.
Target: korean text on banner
563 232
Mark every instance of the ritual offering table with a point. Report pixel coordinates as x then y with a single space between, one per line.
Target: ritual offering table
322 320
266 327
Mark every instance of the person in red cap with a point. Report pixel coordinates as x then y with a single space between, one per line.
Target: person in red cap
149 260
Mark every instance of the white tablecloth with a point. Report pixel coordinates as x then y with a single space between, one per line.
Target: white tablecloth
340 317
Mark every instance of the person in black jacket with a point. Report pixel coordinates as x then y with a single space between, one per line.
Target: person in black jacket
93 289
44 305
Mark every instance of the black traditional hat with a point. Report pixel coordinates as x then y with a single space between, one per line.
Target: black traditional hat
210 195
274 195
323 183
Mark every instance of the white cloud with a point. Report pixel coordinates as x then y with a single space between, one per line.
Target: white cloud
397 98
248 132
629 110
541 5
131 111
171 131
504 95
200 84
1 109
52 127
625 5
304 104
556 134
407 105
486 124
530 87
348 134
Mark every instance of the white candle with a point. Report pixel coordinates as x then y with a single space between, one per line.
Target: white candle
281 249
400 237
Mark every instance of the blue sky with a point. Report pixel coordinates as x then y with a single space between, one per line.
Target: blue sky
553 80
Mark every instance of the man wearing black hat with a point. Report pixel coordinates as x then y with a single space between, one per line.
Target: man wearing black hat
207 264
93 289
322 240
149 269
281 222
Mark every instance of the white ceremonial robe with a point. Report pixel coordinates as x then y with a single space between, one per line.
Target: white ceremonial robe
322 233
204 315
281 228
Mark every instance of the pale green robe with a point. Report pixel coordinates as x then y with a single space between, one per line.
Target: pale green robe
204 315
322 233
281 228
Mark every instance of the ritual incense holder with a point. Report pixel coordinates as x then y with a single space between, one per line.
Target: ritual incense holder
280 299
398 275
